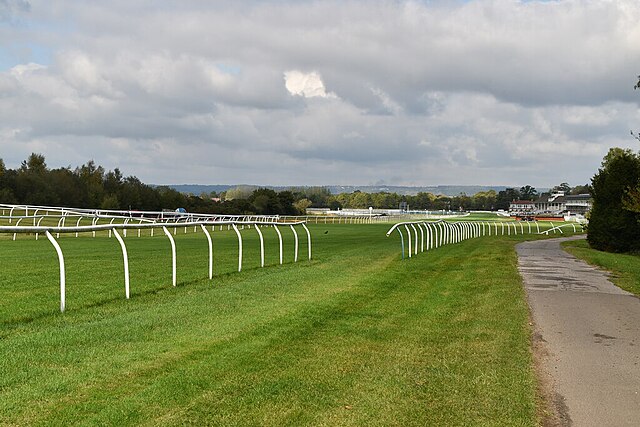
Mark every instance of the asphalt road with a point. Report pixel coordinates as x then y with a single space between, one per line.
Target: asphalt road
589 332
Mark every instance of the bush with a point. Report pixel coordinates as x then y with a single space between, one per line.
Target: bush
613 228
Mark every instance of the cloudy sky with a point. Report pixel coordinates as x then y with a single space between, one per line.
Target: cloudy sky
283 92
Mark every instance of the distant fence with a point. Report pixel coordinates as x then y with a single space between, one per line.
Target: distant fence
434 234
145 223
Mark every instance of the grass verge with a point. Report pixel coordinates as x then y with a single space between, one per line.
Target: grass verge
624 268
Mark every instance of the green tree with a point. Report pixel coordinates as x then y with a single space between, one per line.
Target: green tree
566 188
612 227
505 197
581 189
302 205
528 192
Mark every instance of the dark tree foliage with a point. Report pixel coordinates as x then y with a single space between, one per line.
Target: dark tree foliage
505 197
90 186
612 227
528 192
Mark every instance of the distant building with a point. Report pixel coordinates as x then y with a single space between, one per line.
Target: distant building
554 202
579 203
522 206
559 203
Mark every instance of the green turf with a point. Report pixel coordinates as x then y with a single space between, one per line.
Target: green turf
625 268
355 337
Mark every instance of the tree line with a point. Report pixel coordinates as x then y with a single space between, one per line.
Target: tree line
91 186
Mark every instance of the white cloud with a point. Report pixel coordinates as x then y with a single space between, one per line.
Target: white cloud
308 85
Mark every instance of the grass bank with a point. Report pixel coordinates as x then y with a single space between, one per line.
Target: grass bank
355 337
624 268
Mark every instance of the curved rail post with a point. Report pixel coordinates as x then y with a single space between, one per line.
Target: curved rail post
17 224
125 257
295 236
60 223
435 235
257 227
39 221
62 274
421 238
401 241
502 225
173 254
447 233
409 239
77 224
111 222
415 234
280 241
210 243
308 238
427 230
235 228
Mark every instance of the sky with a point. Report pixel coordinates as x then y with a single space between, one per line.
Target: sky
360 92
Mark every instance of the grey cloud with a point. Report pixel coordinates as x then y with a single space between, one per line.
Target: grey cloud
452 93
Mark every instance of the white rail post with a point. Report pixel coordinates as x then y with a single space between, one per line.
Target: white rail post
210 243
435 234
280 241
39 221
421 238
261 245
409 239
62 274
173 254
415 233
537 227
126 262
308 238
502 225
235 228
529 224
427 229
60 224
295 236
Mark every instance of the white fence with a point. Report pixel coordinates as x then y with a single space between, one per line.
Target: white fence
144 223
434 234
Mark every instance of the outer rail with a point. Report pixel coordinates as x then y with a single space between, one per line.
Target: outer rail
113 229
434 234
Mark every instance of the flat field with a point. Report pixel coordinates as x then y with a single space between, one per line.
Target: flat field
356 336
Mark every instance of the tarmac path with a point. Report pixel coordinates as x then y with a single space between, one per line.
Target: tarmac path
588 331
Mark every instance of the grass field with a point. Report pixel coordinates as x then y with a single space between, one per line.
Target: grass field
625 268
355 337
